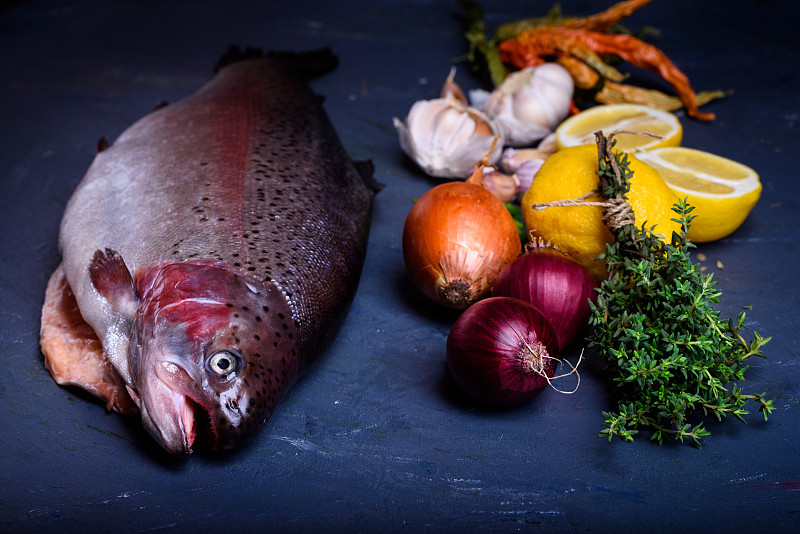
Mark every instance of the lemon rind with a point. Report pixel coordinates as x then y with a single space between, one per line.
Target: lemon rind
562 132
740 187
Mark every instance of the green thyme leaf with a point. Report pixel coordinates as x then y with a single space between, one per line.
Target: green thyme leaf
670 357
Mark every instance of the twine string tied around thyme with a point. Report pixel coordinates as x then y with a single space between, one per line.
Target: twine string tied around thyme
617 212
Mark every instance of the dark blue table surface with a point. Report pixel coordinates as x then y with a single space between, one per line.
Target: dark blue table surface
376 436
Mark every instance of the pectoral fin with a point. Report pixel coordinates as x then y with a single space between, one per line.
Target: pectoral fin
112 279
72 351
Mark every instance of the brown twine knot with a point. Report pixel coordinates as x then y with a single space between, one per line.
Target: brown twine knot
617 213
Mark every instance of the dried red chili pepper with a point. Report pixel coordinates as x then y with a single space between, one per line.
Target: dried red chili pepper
606 19
534 46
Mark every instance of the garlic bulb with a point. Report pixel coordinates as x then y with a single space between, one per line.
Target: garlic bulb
446 138
530 103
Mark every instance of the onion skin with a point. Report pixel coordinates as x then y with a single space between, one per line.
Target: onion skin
457 238
488 358
556 284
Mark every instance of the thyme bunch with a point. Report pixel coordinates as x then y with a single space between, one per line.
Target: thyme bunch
668 352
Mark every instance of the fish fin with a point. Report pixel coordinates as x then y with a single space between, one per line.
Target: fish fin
303 65
72 351
133 395
366 169
235 54
160 105
112 279
307 65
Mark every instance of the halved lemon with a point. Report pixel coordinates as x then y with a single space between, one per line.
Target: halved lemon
580 128
722 191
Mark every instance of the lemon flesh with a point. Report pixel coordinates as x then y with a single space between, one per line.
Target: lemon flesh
580 128
579 231
722 191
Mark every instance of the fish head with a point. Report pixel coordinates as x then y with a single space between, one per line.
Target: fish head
211 354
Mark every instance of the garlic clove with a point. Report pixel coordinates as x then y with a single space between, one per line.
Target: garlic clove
514 158
525 174
530 103
525 162
504 186
548 145
478 98
445 137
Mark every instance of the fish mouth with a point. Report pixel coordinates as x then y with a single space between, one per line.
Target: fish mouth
176 415
196 424
184 408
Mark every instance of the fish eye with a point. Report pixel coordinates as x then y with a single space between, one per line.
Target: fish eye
223 363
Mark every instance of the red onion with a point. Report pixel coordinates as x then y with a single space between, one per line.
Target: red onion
502 351
554 283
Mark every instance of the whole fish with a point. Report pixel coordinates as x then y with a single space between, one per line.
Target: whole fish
210 253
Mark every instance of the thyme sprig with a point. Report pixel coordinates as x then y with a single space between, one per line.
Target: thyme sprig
668 353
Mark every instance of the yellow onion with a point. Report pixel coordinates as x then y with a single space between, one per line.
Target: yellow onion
456 239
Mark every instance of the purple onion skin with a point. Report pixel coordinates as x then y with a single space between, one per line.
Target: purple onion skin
556 284
488 358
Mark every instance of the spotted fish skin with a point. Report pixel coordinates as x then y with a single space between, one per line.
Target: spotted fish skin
245 187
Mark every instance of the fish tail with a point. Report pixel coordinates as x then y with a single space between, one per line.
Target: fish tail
303 65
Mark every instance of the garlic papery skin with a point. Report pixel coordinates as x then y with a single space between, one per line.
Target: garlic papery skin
450 89
446 138
530 103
